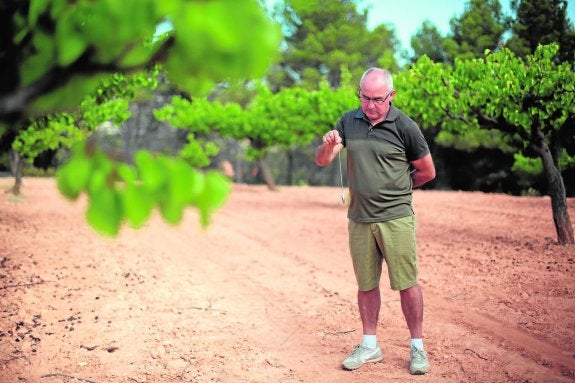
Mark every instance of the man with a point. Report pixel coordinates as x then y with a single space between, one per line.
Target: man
387 156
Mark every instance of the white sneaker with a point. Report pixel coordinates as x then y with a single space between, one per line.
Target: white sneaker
361 355
418 364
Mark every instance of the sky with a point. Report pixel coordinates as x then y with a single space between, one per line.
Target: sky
408 15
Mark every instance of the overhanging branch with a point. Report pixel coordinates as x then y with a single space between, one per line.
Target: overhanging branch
16 101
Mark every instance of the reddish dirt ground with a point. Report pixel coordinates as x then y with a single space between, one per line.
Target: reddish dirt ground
267 294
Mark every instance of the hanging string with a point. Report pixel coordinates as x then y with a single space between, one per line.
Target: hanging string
341 179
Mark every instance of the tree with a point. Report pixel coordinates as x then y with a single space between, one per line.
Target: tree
541 22
110 103
480 27
528 103
429 42
63 49
290 118
54 52
324 36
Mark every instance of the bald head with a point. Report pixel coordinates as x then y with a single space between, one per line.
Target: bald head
376 78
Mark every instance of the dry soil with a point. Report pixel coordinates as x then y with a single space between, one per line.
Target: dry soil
267 294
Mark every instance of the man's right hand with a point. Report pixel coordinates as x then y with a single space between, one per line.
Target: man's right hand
332 144
331 138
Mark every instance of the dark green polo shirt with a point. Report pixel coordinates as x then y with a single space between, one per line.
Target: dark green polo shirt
378 159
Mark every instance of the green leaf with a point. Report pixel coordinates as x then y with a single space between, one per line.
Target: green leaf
127 173
58 6
104 211
98 181
138 55
71 44
72 178
151 173
178 72
37 7
137 205
179 186
38 64
215 193
171 211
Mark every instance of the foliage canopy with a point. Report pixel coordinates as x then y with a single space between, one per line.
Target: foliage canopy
56 52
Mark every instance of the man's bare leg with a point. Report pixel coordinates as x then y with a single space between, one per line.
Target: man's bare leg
369 303
412 307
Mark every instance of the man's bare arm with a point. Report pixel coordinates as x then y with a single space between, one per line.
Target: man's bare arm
424 171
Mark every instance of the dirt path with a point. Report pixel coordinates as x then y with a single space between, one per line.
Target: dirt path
267 294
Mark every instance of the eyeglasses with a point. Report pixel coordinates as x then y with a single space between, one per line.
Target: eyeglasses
376 100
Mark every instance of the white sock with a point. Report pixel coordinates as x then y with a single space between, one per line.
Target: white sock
369 341
417 342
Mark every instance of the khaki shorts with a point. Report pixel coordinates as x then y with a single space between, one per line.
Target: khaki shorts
394 241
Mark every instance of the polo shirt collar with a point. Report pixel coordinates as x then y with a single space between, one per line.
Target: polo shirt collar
392 115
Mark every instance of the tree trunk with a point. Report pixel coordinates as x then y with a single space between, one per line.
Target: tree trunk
266 174
17 168
290 166
558 199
